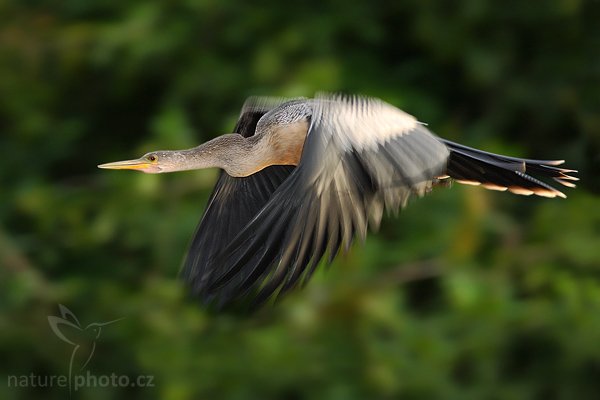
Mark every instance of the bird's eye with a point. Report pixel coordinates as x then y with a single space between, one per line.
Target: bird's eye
151 158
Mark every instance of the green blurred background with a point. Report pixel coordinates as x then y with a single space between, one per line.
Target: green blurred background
469 294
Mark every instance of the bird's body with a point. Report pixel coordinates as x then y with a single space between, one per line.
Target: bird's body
303 177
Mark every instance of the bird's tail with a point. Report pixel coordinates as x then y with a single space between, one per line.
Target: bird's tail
497 172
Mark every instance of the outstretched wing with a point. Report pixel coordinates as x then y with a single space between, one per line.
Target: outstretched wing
361 156
232 204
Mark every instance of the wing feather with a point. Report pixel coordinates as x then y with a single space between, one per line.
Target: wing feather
232 204
359 154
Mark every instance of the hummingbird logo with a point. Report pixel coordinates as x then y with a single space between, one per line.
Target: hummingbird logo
68 329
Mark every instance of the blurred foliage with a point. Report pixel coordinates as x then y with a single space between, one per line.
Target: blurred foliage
467 295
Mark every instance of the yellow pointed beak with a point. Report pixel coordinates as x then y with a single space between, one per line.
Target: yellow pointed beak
139 164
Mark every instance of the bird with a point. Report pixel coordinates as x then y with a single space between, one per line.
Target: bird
301 178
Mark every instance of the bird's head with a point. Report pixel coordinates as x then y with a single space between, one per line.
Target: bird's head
154 162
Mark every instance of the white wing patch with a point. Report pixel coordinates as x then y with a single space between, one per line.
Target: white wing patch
363 123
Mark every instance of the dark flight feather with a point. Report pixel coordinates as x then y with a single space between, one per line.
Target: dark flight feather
232 204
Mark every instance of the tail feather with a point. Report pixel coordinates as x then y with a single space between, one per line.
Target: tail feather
497 172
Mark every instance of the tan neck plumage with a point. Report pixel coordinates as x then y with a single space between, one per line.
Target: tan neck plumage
280 146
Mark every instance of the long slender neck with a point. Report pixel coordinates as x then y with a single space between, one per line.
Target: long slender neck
237 155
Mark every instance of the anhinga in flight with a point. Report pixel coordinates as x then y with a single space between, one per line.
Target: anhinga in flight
303 177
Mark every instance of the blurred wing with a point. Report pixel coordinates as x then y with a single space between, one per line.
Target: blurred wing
254 108
233 203
361 156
